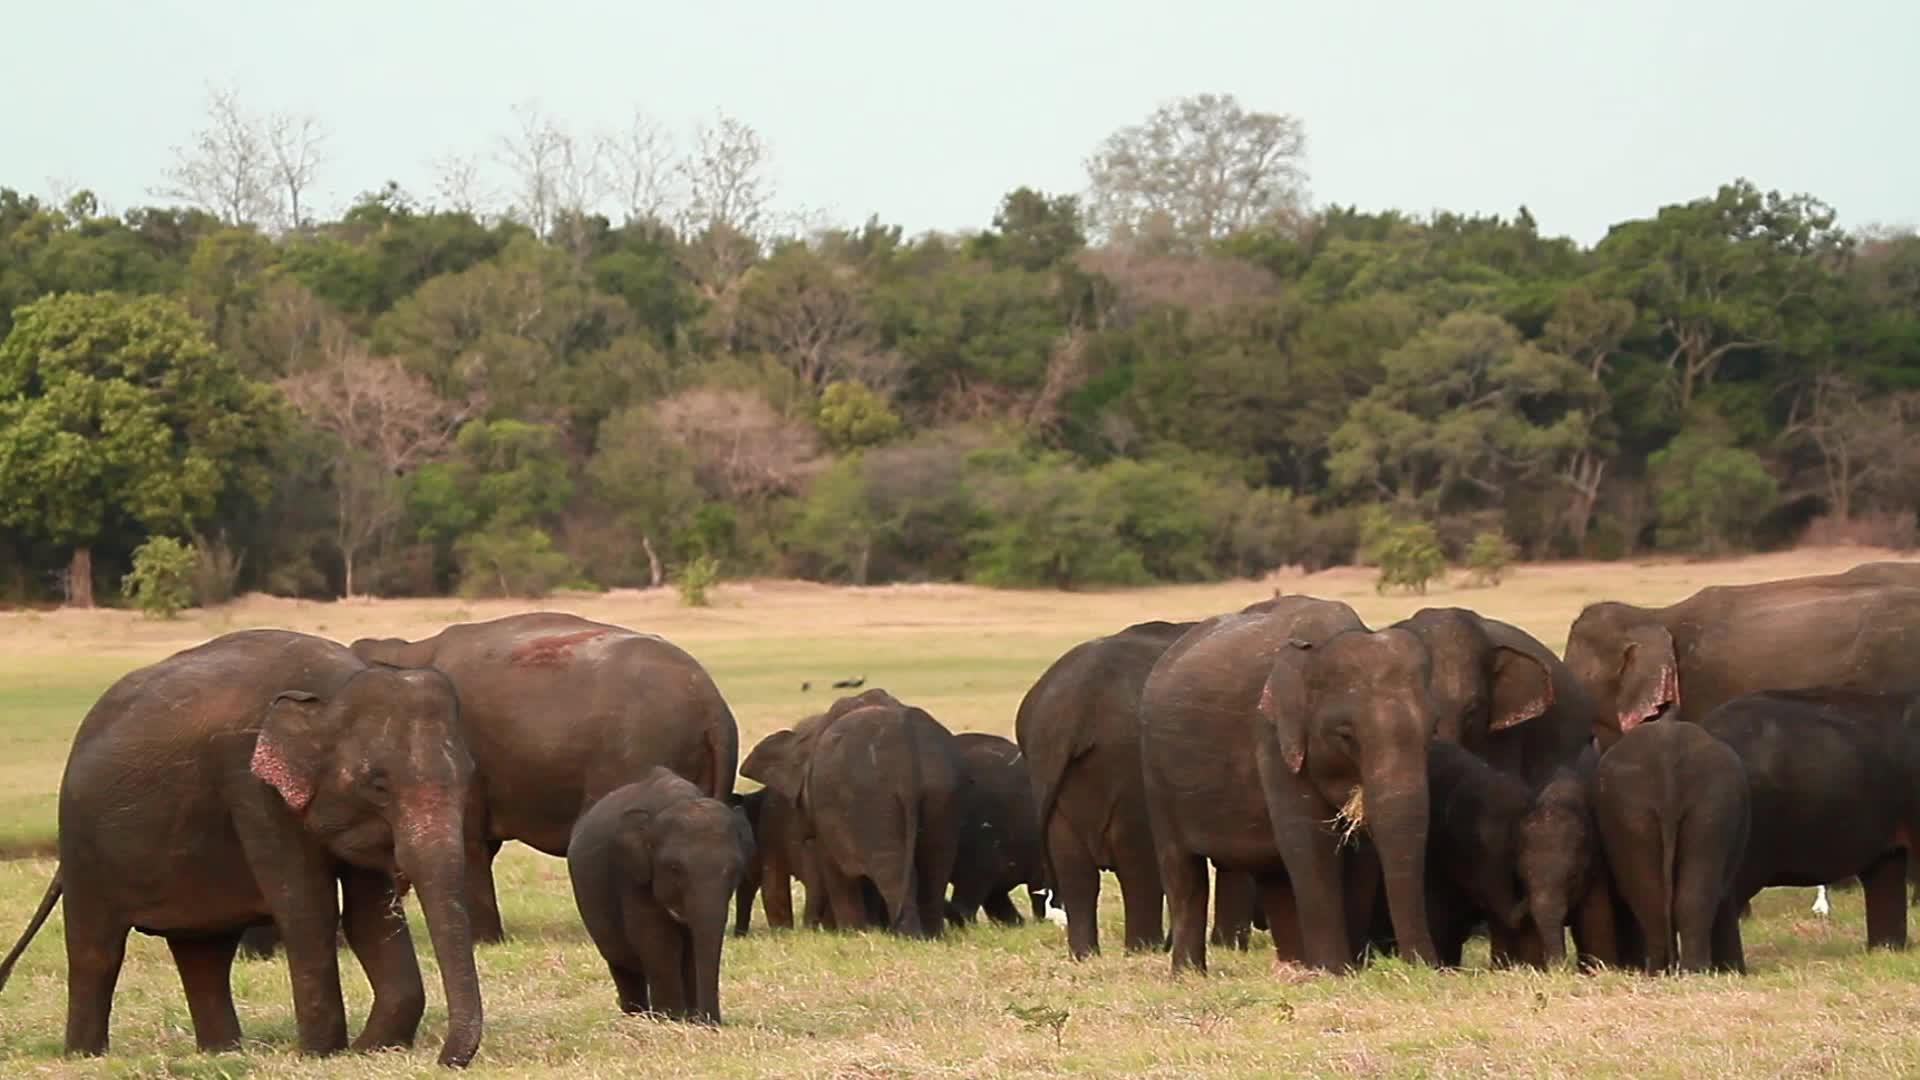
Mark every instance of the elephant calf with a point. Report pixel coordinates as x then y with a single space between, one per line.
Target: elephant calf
654 865
999 833
1500 855
1674 810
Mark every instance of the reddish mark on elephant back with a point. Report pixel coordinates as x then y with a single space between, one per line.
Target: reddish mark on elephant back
553 650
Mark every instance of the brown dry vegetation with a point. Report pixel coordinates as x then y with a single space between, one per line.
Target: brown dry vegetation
863 1006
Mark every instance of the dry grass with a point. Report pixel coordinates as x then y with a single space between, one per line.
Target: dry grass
863 1006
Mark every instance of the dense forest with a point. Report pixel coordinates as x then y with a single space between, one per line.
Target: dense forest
601 360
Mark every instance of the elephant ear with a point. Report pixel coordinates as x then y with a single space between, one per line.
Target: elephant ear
1649 676
1522 688
291 749
778 763
635 845
1283 702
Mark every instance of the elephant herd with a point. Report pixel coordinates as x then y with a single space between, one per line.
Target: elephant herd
1355 791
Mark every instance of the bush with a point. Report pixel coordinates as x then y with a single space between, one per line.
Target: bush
695 578
161 582
1408 555
216 569
1895 529
1487 558
510 562
1709 494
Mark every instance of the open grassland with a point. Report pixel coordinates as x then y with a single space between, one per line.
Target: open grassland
868 1006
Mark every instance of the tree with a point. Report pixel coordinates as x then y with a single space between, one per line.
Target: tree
808 312
386 422
741 449
1862 443
1198 168
728 192
643 168
228 169
117 411
647 479
1709 492
1722 275
560 177
1033 230
294 151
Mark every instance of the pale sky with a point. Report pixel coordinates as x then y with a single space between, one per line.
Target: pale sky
1587 113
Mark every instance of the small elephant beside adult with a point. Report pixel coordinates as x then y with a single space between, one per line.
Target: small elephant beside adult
883 790
999 833
267 775
559 710
1849 631
654 865
783 853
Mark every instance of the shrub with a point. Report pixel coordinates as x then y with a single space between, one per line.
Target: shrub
510 562
1487 558
1408 556
216 569
161 582
695 578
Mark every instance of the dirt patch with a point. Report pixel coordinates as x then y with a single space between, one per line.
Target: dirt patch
553 650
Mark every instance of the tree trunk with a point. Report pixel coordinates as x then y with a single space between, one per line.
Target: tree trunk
80 578
346 559
654 570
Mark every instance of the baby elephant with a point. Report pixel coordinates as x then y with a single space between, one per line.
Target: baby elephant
654 865
1674 809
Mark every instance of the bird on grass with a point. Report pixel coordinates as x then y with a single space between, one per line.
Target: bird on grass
850 684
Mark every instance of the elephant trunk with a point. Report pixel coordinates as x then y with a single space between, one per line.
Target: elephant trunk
1396 818
707 934
433 859
1551 920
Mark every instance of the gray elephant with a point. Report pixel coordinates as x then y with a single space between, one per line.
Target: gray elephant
883 791
654 865
266 775
561 710
783 853
1674 810
1848 631
999 836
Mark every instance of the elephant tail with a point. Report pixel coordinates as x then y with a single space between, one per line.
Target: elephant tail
723 757
908 914
54 888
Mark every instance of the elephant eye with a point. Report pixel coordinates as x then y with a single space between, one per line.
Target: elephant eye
377 783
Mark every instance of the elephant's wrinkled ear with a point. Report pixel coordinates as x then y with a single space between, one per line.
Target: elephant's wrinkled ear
1649 676
1283 702
287 754
1522 688
776 763
635 843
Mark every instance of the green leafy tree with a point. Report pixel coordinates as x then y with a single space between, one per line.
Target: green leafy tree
851 416
116 413
161 582
1709 492
1049 526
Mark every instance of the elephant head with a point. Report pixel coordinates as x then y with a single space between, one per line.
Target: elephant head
1353 717
378 771
1624 657
780 760
392 650
691 857
1480 685
1557 857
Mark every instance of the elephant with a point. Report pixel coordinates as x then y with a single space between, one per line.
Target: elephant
1481 669
267 774
1684 660
783 851
1564 873
1674 810
999 833
559 711
1079 726
1833 776
1254 727
1473 855
654 865
883 791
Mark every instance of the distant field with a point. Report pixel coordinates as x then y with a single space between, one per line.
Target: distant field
859 1006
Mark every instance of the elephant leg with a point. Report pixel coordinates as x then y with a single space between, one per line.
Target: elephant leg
776 891
1728 953
933 862
1885 886
302 890
1363 888
999 907
206 974
1594 932
1283 917
1184 877
376 928
1234 896
630 985
1077 889
743 894
814 912
661 945
96 947
485 900
843 896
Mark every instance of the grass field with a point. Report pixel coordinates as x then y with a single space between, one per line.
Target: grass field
869 1006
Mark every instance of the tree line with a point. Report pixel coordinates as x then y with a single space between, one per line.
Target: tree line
608 359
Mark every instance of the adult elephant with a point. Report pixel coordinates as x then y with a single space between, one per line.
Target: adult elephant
1504 695
265 775
1258 730
560 710
883 791
1684 660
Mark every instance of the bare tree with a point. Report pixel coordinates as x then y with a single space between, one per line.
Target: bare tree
726 178
1863 443
807 311
561 177
741 448
227 170
294 143
460 184
1198 168
386 421
641 168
